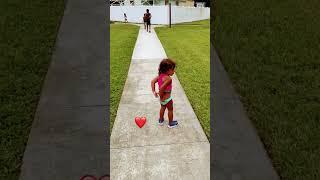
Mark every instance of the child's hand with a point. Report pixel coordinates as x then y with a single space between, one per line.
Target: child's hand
155 94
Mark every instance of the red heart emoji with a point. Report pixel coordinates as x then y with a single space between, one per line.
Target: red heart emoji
140 121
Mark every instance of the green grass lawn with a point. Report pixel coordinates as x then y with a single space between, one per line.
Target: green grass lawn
270 50
122 41
28 30
189 45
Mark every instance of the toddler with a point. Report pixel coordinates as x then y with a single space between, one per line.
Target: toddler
166 70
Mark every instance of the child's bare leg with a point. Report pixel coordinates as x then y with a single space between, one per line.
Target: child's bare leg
170 110
162 110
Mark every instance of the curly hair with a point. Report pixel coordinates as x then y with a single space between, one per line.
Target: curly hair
165 65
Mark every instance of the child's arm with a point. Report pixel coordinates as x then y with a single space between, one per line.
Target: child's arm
153 82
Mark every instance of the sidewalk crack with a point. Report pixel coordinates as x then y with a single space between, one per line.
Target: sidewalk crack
160 145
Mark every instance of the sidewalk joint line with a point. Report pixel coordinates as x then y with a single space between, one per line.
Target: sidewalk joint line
97 105
84 106
130 147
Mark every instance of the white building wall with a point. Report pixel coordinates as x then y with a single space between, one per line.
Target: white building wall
187 14
160 14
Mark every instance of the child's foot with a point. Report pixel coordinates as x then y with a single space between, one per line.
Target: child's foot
173 124
161 122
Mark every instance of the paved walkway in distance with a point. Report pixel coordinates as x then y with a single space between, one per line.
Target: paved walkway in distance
155 152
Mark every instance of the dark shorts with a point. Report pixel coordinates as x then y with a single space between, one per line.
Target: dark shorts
148 22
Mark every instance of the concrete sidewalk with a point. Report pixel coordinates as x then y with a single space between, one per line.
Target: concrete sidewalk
69 133
238 151
155 152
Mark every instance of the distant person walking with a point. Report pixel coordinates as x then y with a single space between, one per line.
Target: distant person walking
147 21
125 17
